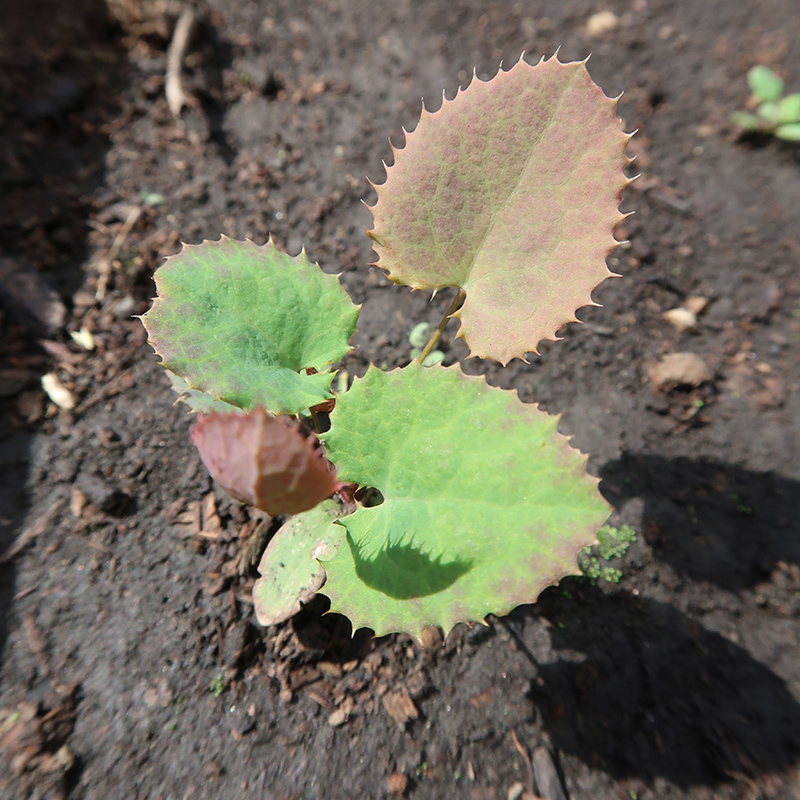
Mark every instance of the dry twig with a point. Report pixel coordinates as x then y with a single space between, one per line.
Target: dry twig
30 533
176 97
106 264
526 758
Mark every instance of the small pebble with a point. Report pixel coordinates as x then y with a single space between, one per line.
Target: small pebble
602 22
679 369
681 319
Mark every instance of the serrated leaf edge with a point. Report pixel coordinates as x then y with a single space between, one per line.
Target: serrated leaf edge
625 182
448 622
223 238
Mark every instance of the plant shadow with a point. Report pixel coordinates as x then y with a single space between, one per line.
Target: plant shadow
216 56
402 570
710 521
656 694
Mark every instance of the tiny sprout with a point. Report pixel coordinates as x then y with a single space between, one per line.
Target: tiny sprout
775 114
418 338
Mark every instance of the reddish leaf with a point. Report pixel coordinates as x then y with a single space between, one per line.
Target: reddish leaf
509 191
264 461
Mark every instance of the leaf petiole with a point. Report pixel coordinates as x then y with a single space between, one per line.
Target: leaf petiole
461 295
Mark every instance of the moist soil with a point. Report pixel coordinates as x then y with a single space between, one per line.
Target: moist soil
132 665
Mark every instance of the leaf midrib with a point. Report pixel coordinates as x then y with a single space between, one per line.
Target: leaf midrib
523 171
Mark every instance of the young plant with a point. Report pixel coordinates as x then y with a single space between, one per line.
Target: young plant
775 114
418 338
510 194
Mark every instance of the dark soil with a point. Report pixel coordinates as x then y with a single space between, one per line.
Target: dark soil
129 646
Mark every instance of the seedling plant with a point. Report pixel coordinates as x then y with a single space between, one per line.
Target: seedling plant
509 194
775 113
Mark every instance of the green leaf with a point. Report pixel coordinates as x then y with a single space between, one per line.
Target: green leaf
485 503
789 109
290 571
433 358
419 335
769 112
789 133
510 191
243 322
764 83
750 122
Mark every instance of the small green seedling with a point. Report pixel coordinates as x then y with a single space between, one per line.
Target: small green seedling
418 338
611 543
509 194
775 114
217 686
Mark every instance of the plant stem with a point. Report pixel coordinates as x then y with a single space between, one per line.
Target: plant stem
454 306
315 420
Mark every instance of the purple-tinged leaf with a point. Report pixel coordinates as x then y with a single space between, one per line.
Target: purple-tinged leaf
265 461
510 191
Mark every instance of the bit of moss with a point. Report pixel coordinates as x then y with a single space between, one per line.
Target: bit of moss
217 686
611 543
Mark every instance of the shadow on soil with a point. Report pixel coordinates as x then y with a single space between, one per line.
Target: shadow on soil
215 56
709 521
653 693
657 694
61 69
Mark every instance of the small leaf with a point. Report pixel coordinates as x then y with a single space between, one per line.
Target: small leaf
764 83
433 358
244 322
789 109
290 571
197 400
509 191
769 112
419 335
485 503
789 133
750 122
264 461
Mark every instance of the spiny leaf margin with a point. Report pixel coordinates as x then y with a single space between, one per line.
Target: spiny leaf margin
470 476
468 203
243 322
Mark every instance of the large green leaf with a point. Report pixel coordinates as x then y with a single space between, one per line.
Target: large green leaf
243 322
485 503
509 191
